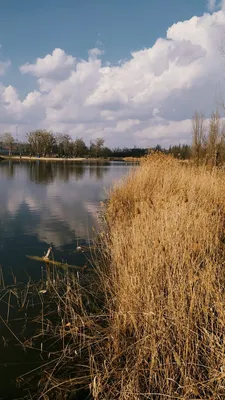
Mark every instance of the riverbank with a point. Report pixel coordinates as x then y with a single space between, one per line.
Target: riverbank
74 159
149 320
77 159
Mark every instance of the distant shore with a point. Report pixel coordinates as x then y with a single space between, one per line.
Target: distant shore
28 158
78 159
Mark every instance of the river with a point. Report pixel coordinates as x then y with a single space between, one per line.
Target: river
44 204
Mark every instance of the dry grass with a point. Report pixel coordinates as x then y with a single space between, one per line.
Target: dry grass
152 324
132 159
167 284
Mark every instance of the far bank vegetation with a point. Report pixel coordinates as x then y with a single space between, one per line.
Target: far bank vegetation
207 146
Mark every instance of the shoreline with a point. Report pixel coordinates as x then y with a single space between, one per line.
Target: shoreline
125 160
27 158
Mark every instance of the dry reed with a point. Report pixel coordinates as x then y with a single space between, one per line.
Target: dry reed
167 284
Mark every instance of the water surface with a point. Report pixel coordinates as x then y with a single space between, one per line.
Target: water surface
43 204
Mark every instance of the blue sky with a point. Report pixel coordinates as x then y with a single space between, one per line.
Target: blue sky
31 28
157 61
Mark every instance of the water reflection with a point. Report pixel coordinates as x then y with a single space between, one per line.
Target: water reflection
41 172
97 172
45 203
7 169
47 172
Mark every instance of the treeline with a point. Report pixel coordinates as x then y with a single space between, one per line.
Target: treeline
208 144
45 143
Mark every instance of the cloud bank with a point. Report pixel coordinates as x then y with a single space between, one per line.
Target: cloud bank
214 4
147 99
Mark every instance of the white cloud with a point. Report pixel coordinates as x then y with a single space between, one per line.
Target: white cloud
94 53
213 5
54 66
4 66
146 99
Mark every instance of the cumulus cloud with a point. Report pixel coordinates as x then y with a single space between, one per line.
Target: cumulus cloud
94 53
213 5
148 99
222 5
4 66
54 66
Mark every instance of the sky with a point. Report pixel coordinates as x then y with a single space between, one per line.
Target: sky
132 72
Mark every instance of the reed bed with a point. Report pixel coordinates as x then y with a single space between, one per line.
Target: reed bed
167 280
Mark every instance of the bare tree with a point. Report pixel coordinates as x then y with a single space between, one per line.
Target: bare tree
214 139
80 148
8 141
41 142
198 138
220 159
96 147
65 144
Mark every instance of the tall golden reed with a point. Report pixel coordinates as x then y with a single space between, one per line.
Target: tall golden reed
165 285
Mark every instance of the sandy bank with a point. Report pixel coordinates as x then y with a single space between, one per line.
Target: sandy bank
78 159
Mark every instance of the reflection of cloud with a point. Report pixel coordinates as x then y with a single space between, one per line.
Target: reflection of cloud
53 233
13 190
15 201
93 209
62 223
32 203
59 212
72 210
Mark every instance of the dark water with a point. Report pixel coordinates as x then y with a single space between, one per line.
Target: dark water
43 204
